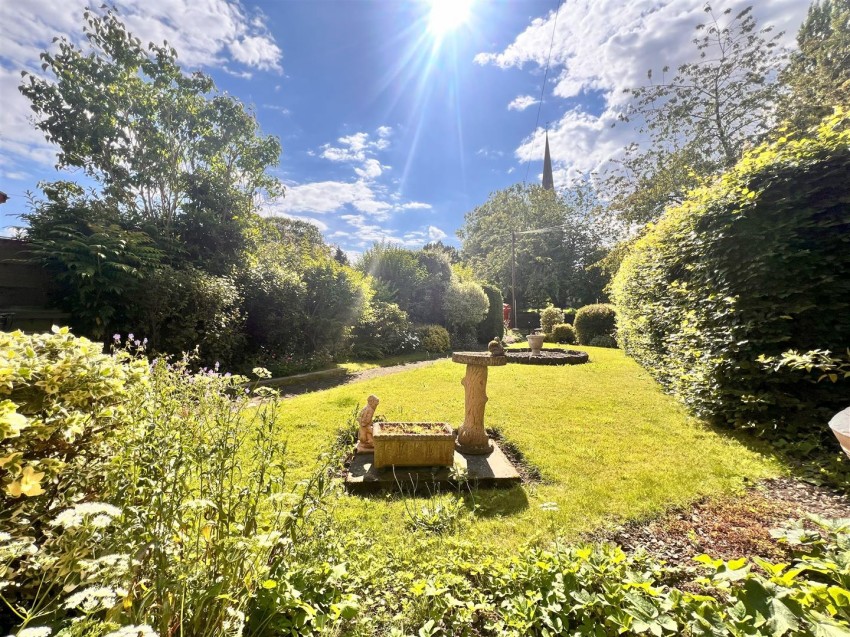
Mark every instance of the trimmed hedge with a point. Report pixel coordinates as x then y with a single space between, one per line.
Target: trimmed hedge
753 265
433 339
493 324
564 333
594 320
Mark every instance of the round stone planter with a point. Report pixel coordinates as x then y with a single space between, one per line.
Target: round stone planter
401 449
840 425
552 356
535 342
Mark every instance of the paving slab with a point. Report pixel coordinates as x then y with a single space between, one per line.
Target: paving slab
490 471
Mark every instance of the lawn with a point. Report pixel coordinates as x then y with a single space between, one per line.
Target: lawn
609 445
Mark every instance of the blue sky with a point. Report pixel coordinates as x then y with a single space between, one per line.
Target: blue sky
391 128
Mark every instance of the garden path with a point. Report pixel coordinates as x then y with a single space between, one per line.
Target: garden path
296 389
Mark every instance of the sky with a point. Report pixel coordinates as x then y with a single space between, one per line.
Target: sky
395 117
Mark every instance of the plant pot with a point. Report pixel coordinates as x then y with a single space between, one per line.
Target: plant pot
535 342
434 447
840 425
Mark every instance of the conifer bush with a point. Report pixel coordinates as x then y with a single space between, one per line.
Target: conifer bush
747 268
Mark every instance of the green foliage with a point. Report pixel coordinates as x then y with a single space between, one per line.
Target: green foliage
465 304
750 267
155 138
552 266
62 398
594 320
564 333
181 310
439 514
298 299
603 340
98 265
398 275
165 507
433 338
570 315
818 76
700 120
383 330
493 325
416 280
550 316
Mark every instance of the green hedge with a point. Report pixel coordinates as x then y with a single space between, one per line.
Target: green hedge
564 333
755 264
493 324
594 320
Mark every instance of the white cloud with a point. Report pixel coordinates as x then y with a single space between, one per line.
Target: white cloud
364 233
322 197
606 47
371 169
522 102
365 195
221 31
256 51
435 234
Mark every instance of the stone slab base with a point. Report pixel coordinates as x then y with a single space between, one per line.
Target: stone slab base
493 470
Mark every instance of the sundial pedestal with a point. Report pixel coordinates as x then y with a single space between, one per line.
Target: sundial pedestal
472 438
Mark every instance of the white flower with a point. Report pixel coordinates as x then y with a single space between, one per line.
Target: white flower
75 516
34 632
95 598
142 630
235 622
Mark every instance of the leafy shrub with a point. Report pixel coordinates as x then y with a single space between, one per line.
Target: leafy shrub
751 266
570 315
62 400
493 324
178 310
550 316
192 505
603 340
465 304
433 338
464 339
384 330
300 308
564 333
594 320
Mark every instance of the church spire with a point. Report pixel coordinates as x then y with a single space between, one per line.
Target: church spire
548 181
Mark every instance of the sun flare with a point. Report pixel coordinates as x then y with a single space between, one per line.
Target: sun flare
447 15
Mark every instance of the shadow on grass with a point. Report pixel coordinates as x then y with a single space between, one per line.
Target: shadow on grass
815 458
490 503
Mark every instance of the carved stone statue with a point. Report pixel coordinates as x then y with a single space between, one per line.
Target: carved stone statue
496 348
365 443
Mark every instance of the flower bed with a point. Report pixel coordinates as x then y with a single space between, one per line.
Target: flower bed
413 444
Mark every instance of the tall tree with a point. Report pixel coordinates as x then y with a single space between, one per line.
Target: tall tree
699 121
552 265
818 76
150 134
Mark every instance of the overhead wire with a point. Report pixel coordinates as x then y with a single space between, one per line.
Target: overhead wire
543 88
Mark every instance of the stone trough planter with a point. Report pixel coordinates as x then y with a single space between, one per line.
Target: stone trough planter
840 425
413 444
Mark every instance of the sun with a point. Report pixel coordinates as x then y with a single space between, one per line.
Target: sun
447 15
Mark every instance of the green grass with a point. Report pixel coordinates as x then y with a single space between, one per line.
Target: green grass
610 445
